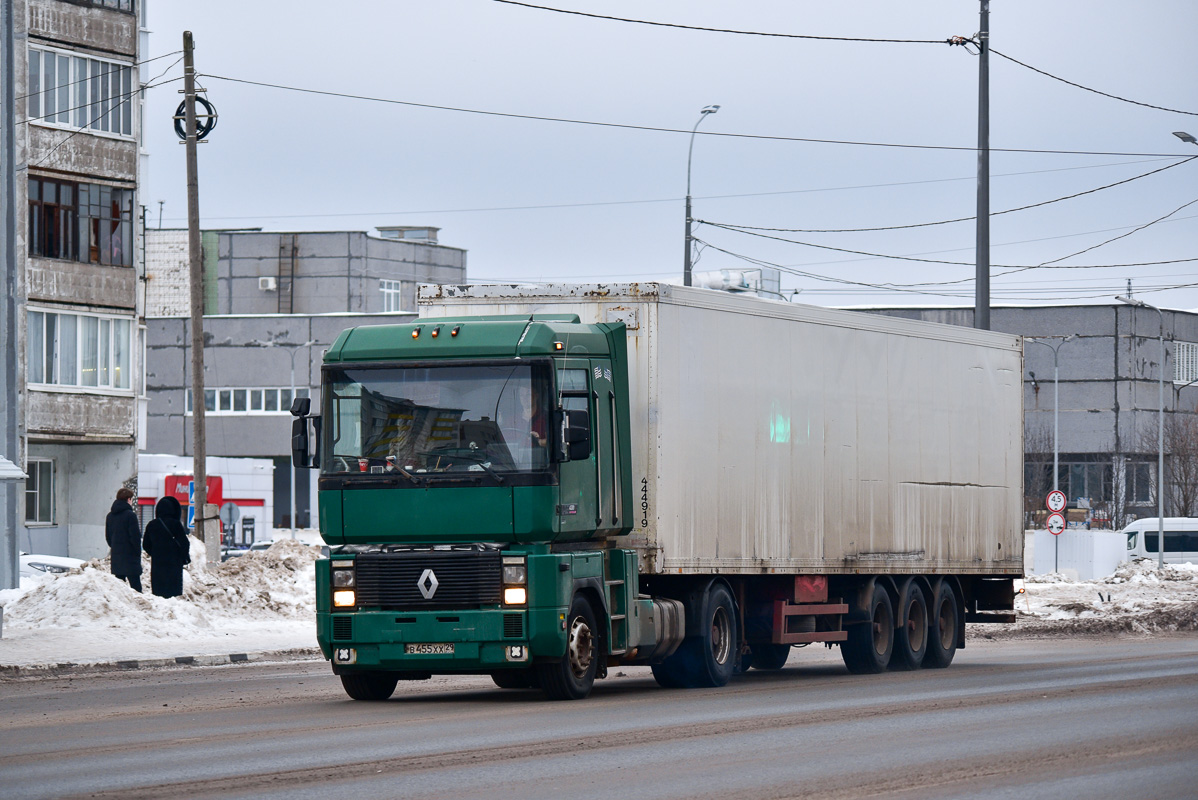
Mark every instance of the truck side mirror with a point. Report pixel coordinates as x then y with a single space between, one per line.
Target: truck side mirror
301 457
300 406
576 434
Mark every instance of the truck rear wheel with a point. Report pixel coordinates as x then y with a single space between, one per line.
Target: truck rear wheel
942 628
911 630
369 686
708 659
572 677
868 648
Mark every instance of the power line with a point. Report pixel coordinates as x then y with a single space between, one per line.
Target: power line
655 129
950 221
1124 235
601 203
948 263
723 30
1087 88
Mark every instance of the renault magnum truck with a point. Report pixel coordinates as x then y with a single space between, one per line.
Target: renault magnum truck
541 483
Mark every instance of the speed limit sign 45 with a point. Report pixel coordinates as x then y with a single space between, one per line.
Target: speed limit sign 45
1056 501
1055 524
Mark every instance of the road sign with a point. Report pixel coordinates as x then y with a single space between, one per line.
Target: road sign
1056 501
229 514
1055 524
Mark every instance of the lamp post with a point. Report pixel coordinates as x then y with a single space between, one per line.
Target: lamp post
686 257
1160 434
1056 413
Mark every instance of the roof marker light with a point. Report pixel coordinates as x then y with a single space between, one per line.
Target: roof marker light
416 332
455 330
558 346
436 332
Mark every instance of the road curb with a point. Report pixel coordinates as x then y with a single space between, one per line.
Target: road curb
122 665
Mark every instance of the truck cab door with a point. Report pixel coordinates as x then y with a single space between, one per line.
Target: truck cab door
578 503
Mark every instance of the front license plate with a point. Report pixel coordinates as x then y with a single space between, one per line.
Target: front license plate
428 649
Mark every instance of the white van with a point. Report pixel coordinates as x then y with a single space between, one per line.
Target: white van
1181 539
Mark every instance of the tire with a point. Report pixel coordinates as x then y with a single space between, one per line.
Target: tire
709 658
369 686
911 629
770 656
870 643
515 679
572 677
942 628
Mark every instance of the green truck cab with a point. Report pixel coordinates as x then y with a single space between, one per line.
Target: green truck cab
468 470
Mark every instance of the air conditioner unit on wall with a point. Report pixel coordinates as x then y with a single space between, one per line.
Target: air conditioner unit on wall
268 284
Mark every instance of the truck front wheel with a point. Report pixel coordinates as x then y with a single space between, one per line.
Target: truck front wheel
369 686
572 677
870 642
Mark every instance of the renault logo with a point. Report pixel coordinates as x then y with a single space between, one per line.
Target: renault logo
428 584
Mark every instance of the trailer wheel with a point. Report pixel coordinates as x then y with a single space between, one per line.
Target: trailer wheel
868 648
369 686
911 629
572 677
515 679
942 628
770 656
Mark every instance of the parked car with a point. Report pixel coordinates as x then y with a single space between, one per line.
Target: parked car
232 551
1181 539
36 565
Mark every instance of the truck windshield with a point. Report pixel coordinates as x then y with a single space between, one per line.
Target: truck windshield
426 421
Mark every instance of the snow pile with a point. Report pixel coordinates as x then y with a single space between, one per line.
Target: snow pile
265 586
1136 599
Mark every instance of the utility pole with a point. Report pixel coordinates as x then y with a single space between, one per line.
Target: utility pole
981 309
195 258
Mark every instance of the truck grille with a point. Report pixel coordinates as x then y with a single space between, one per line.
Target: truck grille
405 580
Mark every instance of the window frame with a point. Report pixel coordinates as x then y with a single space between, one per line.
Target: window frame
113 370
392 291
1185 362
225 400
33 468
95 227
90 106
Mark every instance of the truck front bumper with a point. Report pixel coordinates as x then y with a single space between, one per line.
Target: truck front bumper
473 641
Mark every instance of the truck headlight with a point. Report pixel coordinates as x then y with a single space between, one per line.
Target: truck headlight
515 574
515 596
343 578
344 598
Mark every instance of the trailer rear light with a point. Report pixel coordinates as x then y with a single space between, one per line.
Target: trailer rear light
515 596
344 598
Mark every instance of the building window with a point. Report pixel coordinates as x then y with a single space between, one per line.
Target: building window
239 401
1185 362
392 297
82 93
81 222
1138 483
78 350
39 492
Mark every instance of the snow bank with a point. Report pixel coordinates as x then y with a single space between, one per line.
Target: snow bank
261 586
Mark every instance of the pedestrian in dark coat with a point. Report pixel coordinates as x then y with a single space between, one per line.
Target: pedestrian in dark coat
166 542
123 533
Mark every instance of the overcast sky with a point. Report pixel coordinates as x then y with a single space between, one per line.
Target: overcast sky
553 201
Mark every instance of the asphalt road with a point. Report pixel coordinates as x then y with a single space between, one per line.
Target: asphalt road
1082 718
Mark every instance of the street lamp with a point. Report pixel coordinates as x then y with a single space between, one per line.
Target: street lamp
1185 137
1056 413
1160 440
686 258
